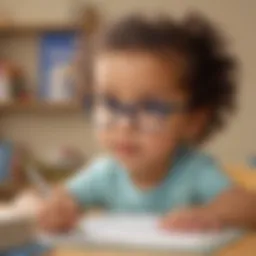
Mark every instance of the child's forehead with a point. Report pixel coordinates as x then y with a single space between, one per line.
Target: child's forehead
137 72
131 60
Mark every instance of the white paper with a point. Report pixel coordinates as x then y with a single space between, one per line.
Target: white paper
141 232
144 232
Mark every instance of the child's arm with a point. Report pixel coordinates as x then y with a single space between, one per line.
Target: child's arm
219 202
234 208
56 213
88 188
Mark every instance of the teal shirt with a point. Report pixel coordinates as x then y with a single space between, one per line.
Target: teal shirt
193 179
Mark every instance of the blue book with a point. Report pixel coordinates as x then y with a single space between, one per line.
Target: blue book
6 156
56 53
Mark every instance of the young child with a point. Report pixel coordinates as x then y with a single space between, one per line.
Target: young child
162 87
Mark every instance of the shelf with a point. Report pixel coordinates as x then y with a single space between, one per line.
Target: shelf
40 107
88 21
14 29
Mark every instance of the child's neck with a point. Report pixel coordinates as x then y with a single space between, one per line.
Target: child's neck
150 177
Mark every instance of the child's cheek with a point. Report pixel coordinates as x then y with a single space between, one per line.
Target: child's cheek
177 127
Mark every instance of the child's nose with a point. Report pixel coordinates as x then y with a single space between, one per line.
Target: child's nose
126 116
126 122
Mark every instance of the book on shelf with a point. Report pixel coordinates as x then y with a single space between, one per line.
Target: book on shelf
57 73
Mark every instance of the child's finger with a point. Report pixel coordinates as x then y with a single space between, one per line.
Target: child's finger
55 218
191 220
177 218
53 222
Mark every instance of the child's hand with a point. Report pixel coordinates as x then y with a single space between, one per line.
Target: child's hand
58 214
192 220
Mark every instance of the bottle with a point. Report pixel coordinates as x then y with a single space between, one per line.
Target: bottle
5 87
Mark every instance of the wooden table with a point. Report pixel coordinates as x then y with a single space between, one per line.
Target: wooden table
244 247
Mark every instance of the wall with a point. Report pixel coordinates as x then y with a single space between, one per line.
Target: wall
236 18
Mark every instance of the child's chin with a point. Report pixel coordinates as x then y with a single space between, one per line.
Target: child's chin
133 163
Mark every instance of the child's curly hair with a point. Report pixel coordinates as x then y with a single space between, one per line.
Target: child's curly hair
210 73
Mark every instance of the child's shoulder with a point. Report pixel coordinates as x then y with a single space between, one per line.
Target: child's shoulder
100 170
103 165
194 158
102 161
206 175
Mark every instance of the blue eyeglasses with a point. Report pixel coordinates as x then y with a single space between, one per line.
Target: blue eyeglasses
146 116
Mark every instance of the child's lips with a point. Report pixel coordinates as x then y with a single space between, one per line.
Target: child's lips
126 149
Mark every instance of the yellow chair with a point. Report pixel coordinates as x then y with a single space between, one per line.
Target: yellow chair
242 175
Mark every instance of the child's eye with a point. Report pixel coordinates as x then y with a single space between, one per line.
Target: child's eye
162 108
109 102
157 107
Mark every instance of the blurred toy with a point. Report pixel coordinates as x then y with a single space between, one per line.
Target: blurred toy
12 83
5 83
65 158
20 91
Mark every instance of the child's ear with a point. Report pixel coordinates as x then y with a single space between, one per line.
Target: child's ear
197 121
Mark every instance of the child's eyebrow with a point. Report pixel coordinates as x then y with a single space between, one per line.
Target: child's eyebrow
159 96
103 93
142 97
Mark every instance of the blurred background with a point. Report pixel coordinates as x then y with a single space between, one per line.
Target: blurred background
42 92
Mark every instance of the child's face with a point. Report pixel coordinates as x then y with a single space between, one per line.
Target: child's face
136 92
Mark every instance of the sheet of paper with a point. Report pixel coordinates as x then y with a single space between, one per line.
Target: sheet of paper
141 232
144 232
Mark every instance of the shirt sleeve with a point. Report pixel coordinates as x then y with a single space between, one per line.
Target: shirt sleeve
89 185
211 181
